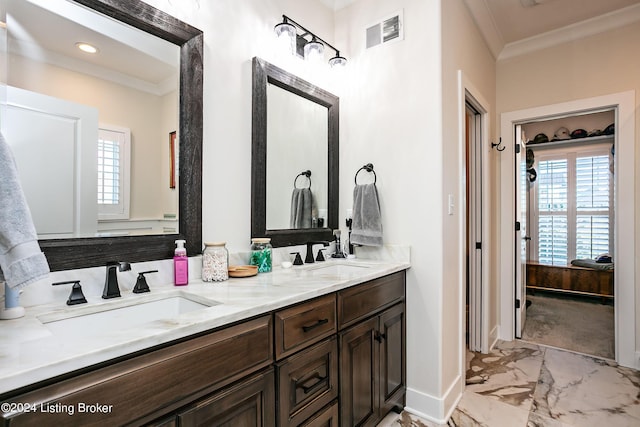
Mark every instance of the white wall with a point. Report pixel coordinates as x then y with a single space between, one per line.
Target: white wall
391 117
463 49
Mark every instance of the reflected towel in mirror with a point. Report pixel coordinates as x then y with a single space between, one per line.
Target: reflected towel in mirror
21 260
301 204
367 220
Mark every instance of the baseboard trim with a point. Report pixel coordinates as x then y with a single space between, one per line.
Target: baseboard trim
493 337
434 409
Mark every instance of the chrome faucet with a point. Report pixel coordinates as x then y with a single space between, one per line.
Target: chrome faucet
111 288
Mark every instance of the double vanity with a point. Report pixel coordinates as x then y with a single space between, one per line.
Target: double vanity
316 345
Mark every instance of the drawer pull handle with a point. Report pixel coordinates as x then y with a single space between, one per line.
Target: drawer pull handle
307 389
315 325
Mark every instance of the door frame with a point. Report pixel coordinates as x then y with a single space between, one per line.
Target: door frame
469 94
624 181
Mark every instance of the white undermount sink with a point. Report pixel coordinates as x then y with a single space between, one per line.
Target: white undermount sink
121 315
338 269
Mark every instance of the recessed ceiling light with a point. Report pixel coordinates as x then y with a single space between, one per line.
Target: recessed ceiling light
86 47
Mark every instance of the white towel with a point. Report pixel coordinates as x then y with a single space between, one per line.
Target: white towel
301 204
367 221
21 260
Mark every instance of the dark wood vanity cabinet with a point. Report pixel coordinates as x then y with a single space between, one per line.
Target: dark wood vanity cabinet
146 387
338 359
372 351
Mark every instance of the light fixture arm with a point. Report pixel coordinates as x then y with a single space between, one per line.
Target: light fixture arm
306 32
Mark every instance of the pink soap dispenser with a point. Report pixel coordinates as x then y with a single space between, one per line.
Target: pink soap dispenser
180 264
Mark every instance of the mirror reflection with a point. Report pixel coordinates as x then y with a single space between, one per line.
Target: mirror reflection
297 161
294 158
91 132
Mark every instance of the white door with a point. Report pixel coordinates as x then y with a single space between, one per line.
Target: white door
59 139
520 234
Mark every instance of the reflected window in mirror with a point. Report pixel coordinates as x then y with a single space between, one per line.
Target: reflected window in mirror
295 129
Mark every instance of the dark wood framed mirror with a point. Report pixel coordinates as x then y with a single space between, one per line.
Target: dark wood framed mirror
64 254
266 75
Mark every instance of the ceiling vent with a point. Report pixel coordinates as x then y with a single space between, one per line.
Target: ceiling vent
387 30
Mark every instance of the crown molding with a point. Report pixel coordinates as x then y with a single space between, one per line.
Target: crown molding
486 25
579 30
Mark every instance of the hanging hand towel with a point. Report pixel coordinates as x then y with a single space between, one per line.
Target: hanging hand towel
301 203
21 260
367 221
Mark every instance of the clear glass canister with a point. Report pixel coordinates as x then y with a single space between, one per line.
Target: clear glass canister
215 262
261 254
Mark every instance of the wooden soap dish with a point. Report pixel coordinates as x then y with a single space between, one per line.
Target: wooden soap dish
243 270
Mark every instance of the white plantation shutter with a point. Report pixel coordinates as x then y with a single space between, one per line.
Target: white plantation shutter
572 207
114 150
592 206
552 212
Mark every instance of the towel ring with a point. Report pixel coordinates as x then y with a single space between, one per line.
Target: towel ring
369 168
306 173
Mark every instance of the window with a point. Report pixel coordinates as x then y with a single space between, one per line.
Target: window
113 173
572 205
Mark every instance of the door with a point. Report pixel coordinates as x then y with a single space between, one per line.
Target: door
248 404
474 226
520 232
65 136
359 387
392 356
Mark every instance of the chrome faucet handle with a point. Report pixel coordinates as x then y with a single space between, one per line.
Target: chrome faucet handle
76 296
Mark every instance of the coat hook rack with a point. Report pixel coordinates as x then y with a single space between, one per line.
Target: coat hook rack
498 145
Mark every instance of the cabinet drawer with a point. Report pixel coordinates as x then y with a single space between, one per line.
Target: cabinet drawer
304 324
307 382
145 387
359 302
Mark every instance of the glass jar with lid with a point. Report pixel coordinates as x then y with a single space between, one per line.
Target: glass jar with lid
261 254
215 262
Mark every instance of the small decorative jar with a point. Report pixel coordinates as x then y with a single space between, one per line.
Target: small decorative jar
261 254
215 262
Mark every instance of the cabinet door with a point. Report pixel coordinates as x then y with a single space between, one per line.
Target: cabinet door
326 418
392 358
248 404
359 386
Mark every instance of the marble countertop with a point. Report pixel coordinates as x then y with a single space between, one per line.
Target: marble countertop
31 352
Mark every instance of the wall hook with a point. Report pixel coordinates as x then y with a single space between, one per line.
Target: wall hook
497 146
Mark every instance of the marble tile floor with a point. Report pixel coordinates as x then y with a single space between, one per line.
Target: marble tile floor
520 384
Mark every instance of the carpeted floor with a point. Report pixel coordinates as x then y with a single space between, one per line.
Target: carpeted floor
568 323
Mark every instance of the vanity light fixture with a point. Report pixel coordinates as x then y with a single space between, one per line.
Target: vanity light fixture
307 45
86 47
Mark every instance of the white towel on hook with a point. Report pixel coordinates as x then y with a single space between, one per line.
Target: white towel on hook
367 220
21 260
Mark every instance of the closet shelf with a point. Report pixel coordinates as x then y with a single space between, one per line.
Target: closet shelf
568 142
